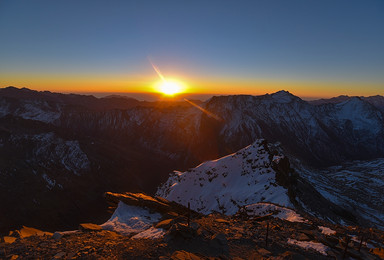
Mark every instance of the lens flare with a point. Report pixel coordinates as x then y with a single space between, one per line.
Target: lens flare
168 87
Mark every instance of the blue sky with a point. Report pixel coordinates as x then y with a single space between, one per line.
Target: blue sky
327 43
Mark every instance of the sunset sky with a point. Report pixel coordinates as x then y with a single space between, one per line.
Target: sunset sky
311 48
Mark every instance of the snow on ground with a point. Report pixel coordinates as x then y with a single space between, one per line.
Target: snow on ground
355 185
228 183
39 111
327 231
319 247
151 233
127 220
262 209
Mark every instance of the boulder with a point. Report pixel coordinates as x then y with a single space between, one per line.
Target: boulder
156 204
9 240
378 252
28 231
220 243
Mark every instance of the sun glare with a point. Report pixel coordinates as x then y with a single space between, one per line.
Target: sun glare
170 87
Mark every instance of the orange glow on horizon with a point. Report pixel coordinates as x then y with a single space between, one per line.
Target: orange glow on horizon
145 84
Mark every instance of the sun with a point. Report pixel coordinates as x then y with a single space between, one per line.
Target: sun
170 87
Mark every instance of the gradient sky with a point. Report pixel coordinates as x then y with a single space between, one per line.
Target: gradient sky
311 48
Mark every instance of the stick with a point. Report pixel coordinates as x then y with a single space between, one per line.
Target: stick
189 213
361 242
266 237
346 246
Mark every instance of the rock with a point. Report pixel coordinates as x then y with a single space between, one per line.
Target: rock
220 243
181 231
9 240
289 256
156 204
183 255
195 226
264 252
378 251
302 237
57 235
59 255
329 240
220 238
310 233
202 232
220 220
165 224
89 227
171 215
28 231
14 233
71 255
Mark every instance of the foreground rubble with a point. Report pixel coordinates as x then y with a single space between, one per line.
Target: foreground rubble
213 236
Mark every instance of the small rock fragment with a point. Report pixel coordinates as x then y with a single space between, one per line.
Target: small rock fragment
59 255
165 224
89 227
302 237
183 255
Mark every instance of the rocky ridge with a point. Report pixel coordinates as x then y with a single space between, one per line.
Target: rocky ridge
212 236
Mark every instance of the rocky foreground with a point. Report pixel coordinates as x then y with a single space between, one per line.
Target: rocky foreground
189 235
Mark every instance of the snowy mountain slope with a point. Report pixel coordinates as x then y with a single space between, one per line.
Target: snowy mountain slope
357 185
259 173
39 110
323 134
225 184
377 101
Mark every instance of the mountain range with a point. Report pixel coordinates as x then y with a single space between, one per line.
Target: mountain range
60 153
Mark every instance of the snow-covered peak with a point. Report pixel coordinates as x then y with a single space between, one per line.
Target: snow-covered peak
283 96
360 113
228 183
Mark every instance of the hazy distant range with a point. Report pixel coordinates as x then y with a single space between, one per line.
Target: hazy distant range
156 96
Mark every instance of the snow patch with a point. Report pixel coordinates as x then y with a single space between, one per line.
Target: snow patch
263 209
327 231
50 183
127 220
151 233
319 247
